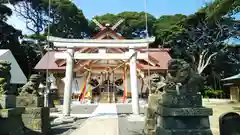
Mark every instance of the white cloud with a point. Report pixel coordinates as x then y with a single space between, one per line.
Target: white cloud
17 22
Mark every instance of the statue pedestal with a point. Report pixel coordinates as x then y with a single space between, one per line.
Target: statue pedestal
11 121
7 101
150 113
182 115
35 117
30 101
10 116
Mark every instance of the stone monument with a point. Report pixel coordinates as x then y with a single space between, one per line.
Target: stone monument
229 123
35 116
10 115
180 110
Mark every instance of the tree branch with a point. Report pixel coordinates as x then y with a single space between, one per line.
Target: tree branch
208 61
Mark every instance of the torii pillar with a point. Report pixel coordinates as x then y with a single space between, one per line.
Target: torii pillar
68 82
133 79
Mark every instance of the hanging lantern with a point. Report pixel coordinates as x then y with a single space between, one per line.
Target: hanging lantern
53 86
52 78
63 79
41 86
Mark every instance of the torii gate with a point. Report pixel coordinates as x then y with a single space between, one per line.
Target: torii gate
69 55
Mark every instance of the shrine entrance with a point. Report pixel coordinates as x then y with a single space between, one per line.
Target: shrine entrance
129 58
108 91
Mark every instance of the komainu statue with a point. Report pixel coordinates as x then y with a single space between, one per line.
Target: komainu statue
157 83
31 87
5 78
183 78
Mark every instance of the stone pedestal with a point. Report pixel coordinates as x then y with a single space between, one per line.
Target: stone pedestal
35 117
182 115
10 116
150 113
7 101
30 101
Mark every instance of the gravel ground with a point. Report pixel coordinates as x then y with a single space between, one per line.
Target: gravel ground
127 127
83 109
219 107
66 129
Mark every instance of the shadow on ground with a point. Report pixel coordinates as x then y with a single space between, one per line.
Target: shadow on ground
66 128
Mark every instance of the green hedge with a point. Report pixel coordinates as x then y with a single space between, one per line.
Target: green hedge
213 93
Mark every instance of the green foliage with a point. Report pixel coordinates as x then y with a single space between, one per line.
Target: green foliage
67 20
165 27
4 12
202 34
9 40
214 93
194 36
41 37
220 8
227 63
33 12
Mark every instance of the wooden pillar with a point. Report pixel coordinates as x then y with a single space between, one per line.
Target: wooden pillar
113 88
108 87
101 78
125 81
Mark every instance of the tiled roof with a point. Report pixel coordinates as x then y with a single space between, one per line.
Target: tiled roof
48 62
161 55
158 56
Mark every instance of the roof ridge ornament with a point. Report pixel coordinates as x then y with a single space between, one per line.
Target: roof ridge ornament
107 24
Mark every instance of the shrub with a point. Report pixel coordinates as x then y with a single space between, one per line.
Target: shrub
214 93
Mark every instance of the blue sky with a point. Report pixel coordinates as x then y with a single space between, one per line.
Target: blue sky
99 7
155 7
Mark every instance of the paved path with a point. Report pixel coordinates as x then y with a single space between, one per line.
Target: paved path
103 121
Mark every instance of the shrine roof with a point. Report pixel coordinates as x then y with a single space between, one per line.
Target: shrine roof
161 55
231 78
158 57
48 61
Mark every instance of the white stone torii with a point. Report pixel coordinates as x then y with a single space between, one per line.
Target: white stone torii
70 44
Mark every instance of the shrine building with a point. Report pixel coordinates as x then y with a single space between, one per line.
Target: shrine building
101 67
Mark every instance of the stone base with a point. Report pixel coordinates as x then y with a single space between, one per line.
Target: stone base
180 101
200 111
37 119
7 101
183 115
30 101
149 132
11 121
183 122
150 124
11 112
184 132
